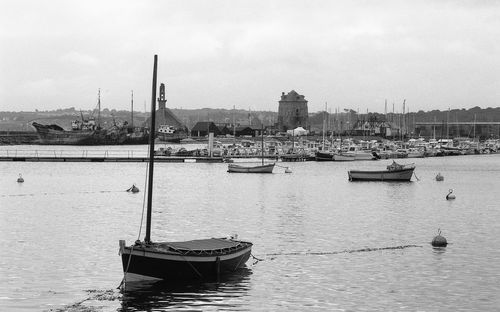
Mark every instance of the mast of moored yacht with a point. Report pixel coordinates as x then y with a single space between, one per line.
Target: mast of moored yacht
147 239
234 128
132 109
324 121
474 128
262 141
99 109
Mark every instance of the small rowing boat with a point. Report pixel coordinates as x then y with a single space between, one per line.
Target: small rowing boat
253 169
394 172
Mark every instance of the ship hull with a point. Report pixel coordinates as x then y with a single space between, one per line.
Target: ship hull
322 156
171 137
52 135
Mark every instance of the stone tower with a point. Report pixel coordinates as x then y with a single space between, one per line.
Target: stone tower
292 111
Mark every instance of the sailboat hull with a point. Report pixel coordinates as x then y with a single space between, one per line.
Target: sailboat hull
155 263
324 156
344 157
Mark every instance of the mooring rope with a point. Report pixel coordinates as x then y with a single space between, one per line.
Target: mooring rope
281 166
122 283
99 295
59 193
322 253
416 176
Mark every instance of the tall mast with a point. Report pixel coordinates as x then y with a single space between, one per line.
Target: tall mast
147 239
403 120
392 119
99 109
330 123
434 126
474 127
262 142
324 129
234 127
385 110
132 109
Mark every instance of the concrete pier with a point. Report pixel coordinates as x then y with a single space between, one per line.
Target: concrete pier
113 159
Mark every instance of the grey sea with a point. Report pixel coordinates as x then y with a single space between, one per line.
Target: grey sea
321 243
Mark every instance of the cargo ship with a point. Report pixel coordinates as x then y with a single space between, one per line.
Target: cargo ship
53 134
83 132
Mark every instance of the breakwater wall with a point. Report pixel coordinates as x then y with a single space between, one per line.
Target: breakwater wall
18 137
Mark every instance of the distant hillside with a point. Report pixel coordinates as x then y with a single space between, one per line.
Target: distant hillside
345 119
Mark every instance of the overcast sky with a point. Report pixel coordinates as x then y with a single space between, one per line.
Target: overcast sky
436 54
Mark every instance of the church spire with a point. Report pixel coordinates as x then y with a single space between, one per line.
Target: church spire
162 100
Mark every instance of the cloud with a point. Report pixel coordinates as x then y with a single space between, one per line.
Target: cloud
222 53
79 59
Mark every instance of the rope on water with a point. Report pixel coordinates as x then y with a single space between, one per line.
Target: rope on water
416 176
322 253
255 258
94 295
122 283
281 166
58 193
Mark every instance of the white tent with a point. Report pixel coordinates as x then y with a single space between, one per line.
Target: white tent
298 131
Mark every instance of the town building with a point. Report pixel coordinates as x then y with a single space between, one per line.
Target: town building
203 128
292 112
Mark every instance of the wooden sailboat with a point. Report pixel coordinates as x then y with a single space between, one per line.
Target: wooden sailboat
263 168
199 259
394 172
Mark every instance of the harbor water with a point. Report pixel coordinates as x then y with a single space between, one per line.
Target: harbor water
321 243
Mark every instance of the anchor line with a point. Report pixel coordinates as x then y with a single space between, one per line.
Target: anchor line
322 253
416 176
124 279
59 193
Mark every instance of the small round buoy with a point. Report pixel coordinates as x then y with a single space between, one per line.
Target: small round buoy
288 170
439 177
450 195
20 179
439 241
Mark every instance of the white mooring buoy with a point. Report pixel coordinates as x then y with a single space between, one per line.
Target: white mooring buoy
439 241
20 179
450 195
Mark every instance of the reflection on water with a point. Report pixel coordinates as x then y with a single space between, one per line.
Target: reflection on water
439 250
218 295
